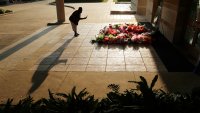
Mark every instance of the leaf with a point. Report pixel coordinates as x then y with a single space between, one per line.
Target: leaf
50 94
114 87
8 105
38 102
73 91
62 95
144 81
154 81
133 81
82 93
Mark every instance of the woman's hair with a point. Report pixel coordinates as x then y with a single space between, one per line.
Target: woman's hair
80 9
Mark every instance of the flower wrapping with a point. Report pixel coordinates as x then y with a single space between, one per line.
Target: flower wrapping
124 33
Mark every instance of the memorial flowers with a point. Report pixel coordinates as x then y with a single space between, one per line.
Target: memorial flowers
123 33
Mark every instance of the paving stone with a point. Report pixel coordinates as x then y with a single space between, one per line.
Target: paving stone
100 48
115 48
115 61
83 54
71 49
134 61
85 49
136 68
148 54
135 54
152 61
116 54
74 44
115 68
80 61
87 44
47 61
40 67
76 67
155 68
96 68
98 61
68 54
58 68
99 54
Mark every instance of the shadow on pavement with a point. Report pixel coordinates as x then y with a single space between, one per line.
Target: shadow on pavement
25 43
56 23
173 60
46 65
170 56
180 82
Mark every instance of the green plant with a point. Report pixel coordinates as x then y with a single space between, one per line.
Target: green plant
146 100
147 91
56 103
8 11
149 100
81 102
127 102
130 100
2 11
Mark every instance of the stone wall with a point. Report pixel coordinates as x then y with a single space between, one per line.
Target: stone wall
174 15
4 2
169 18
141 7
151 8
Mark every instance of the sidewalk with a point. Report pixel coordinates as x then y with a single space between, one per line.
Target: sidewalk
49 57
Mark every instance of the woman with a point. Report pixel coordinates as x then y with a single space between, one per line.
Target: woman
74 19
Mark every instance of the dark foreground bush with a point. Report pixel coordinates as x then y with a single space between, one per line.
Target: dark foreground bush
141 100
2 11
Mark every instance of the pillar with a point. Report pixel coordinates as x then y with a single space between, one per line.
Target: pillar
141 7
170 10
60 11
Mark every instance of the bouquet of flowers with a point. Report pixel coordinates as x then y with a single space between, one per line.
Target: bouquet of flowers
123 33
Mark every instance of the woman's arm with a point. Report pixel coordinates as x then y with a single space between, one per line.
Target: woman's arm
83 18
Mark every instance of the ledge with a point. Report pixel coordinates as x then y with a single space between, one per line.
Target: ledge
122 2
123 12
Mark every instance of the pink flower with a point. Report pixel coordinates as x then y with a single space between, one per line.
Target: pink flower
135 38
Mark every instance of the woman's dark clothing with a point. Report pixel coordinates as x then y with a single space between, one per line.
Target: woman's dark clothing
75 17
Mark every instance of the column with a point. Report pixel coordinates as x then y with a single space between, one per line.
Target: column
60 11
141 7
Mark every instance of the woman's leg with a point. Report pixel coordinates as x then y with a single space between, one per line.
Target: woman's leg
74 28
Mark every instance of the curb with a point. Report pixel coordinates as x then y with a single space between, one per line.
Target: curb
123 12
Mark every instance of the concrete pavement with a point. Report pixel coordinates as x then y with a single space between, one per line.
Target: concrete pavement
35 57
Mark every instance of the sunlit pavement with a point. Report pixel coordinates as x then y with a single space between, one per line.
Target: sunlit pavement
49 57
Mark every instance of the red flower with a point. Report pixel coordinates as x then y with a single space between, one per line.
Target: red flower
124 33
106 38
112 31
